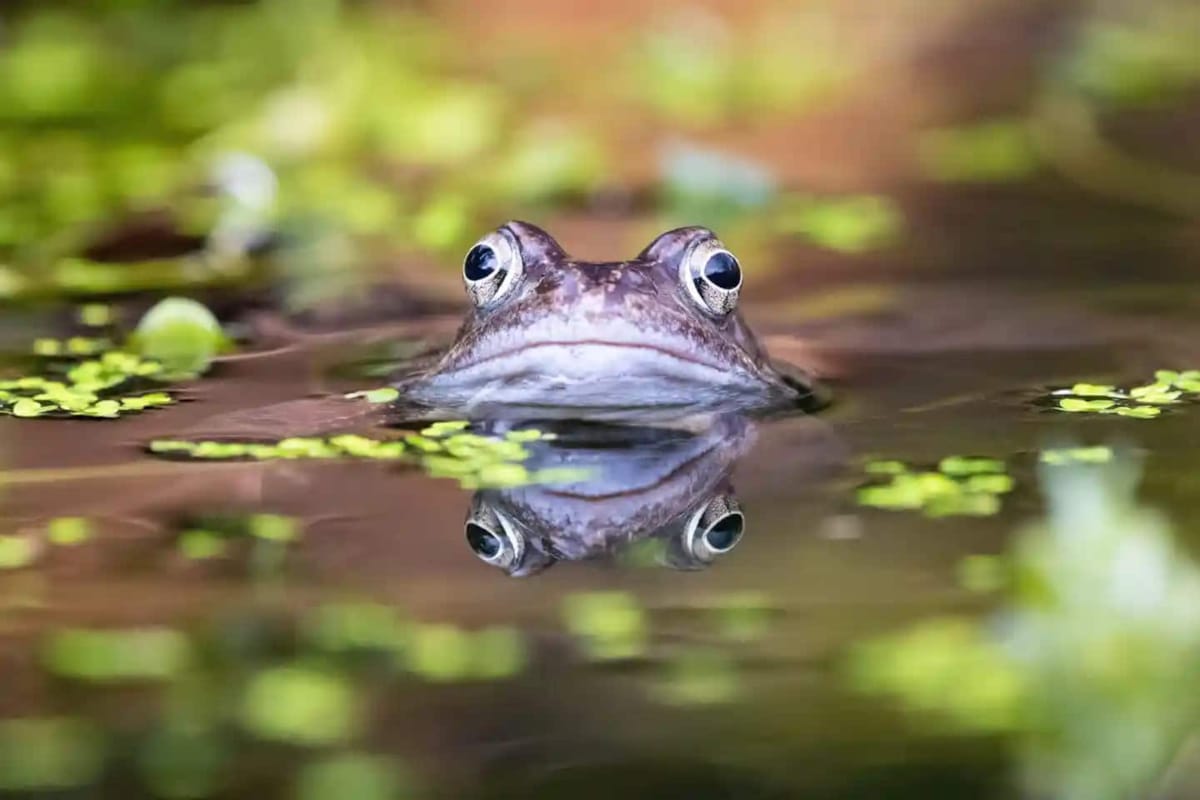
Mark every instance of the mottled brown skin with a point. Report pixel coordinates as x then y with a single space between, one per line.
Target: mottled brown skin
579 335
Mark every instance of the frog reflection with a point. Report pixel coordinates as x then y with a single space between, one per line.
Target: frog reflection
634 485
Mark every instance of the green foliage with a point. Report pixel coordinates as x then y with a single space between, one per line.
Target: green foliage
697 676
692 69
300 705
69 531
40 754
1100 454
352 775
925 666
349 627
181 334
443 449
16 551
609 625
960 486
104 387
108 656
1098 636
744 616
851 224
986 152
1148 58
1169 388
444 653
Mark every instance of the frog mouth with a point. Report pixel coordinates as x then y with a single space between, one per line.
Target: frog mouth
594 347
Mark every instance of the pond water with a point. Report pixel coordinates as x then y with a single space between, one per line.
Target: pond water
234 565
726 612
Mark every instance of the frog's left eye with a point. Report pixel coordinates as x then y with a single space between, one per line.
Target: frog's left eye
712 276
492 267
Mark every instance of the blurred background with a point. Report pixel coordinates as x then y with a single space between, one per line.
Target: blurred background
962 207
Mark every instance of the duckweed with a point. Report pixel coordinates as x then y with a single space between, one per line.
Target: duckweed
356 775
42 754
743 616
386 394
445 653
16 551
181 335
201 545
69 530
355 626
960 486
610 626
443 449
918 665
107 656
852 224
300 705
80 390
74 346
992 151
1170 387
698 677
1100 454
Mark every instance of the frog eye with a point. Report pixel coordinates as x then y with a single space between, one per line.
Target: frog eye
714 530
491 268
712 276
495 543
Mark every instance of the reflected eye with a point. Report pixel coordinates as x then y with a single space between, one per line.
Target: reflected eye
495 544
725 533
491 268
714 530
712 276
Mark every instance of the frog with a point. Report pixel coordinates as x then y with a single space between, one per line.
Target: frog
622 485
553 335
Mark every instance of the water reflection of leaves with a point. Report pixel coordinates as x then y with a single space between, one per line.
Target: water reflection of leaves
1090 660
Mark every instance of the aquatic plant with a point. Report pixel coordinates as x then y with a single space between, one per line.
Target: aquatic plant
990 151
959 486
116 656
302 705
39 754
90 377
850 224
180 334
608 625
1098 635
447 449
105 387
1170 387
358 775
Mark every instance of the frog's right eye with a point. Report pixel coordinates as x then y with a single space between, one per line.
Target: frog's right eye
495 543
491 268
715 529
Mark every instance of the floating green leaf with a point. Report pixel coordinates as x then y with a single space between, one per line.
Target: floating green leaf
181 334
609 625
106 656
300 705
44 754
69 530
352 775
